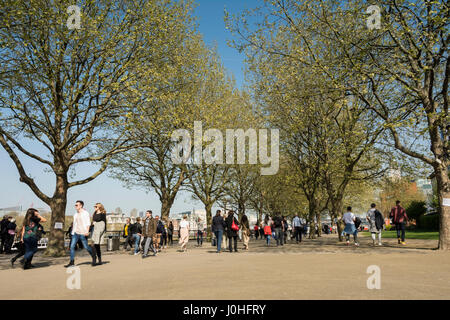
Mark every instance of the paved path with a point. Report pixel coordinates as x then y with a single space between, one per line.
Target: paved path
315 269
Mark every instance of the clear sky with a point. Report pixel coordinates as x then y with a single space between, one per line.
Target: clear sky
105 189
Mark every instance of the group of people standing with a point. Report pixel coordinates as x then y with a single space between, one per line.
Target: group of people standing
376 222
229 226
154 233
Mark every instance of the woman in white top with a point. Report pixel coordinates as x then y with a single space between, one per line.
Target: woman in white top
184 233
349 220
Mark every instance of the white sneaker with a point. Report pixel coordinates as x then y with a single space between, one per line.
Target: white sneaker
379 243
356 244
136 253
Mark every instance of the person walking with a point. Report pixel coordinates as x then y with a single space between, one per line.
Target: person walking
170 233
137 234
349 220
80 230
285 229
158 234
148 232
20 249
232 228
164 234
376 223
267 230
256 230
29 235
400 219
10 234
217 227
278 228
245 227
3 233
200 230
184 233
99 230
297 226
127 235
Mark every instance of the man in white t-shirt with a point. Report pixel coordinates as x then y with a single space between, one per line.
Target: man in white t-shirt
80 231
349 220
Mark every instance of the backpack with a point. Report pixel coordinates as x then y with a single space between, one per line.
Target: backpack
357 222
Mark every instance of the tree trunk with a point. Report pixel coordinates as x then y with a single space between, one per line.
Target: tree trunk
241 210
443 191
312 214
166 205
319 225
336 210
208 209
58 204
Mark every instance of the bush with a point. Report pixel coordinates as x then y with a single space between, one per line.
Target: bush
429 222
415 210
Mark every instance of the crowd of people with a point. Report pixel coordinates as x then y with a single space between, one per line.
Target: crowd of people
155 234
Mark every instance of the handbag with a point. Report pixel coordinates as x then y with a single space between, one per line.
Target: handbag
234 226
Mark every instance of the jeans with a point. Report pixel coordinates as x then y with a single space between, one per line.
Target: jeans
128 242
219 235
137 240
148 244
298 234
73 243
230 243
279 235
31 246
199 237
268 239
400 227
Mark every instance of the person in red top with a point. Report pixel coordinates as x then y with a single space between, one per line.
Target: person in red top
256 231
399 218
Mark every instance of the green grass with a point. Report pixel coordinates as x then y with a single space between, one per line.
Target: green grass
409 234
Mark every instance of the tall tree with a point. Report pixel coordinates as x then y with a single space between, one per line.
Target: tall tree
67 91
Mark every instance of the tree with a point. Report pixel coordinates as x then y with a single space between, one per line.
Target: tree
167 106
399 72
68 91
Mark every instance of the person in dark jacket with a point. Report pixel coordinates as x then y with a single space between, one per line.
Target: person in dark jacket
29 234
159 233
3 233
400 219
231 234
127 235
10 234
170 233
137 234
278 228
217 227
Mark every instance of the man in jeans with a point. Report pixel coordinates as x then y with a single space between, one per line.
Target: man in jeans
137 233
297 226
200 229
399 218
80 231
278 228
217 227
148 231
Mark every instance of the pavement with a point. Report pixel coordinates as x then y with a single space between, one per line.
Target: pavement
322 268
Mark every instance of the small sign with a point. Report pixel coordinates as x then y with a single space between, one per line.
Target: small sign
58 225
446 202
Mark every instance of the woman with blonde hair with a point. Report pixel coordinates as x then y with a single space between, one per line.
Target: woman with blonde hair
184 233
99 229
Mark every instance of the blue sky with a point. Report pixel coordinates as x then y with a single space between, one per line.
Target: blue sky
104 189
